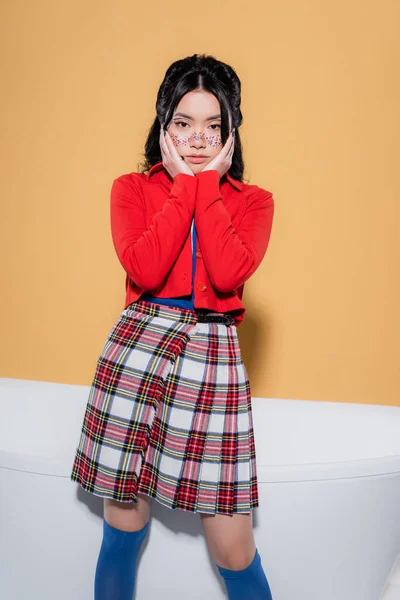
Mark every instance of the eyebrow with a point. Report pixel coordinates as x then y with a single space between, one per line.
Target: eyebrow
190 118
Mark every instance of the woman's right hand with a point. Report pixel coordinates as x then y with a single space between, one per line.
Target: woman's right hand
172 161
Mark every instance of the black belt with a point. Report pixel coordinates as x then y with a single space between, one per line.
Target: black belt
205 317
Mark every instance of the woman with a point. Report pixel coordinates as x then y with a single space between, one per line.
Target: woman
169 412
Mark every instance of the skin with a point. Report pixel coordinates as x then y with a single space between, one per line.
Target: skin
229 539
196 133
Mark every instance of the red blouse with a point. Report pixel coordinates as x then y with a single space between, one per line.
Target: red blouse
151 216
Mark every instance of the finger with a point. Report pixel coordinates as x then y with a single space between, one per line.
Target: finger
165 157
171 146
231 151
169 152
232 148
163 145
232 143
228 145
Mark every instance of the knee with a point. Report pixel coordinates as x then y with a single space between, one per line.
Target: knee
235 559
127 517
138 526
230 540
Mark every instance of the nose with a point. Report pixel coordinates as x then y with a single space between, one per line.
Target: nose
197 140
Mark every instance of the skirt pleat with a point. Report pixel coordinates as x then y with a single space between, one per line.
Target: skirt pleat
169 415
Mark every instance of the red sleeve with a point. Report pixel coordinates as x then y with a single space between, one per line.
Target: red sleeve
148 253
231 255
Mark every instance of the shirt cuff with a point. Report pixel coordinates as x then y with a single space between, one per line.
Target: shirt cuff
184 184
208 185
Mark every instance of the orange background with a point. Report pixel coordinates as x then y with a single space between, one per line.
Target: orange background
320 99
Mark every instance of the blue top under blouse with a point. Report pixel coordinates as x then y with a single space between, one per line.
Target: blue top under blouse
182 301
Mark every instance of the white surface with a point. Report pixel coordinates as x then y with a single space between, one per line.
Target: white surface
392 589
328 526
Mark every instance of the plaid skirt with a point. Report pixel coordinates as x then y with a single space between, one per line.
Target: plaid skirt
169 415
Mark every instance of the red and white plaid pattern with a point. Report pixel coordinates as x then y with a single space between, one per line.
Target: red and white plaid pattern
169 415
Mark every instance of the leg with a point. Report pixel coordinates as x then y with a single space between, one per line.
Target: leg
125 527
127 516
230 539
231 544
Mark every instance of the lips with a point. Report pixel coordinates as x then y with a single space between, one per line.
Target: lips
196 159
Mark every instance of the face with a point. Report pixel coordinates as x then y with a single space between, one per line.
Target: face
195 129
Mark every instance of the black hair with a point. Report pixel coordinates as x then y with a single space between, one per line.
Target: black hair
199 71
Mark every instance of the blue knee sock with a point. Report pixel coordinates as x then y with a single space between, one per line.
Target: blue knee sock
248 584
116 565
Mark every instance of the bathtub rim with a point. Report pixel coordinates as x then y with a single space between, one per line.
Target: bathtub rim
60 463
289 473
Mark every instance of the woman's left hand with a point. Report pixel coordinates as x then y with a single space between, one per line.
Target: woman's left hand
222 162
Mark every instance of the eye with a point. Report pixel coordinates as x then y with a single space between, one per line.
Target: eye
216 125
180 123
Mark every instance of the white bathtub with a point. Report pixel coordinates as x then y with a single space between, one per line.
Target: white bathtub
328 526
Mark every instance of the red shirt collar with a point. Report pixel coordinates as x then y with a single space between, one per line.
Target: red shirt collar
235 182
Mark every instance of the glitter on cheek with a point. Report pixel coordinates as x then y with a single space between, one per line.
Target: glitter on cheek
179 140
214 140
